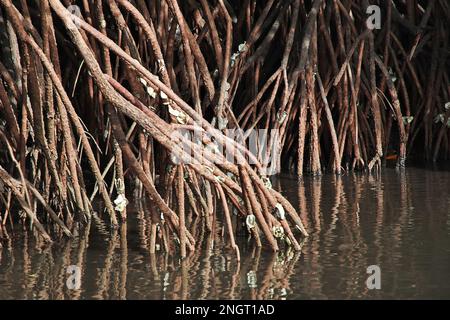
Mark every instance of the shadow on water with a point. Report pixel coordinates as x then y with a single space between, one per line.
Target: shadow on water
399 220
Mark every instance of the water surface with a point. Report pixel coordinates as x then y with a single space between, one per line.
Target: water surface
399 221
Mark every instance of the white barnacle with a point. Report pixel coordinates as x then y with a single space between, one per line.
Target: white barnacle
166 281
151 92
242 47
165 98
251 279
222 123
290 253
439 118
250 221
278 232
182 119
174 159
219 179
279 260
178 33
179 115
408 120
120 202
267 182
281 117
288 241
271 292
280 211
143 81
392 75
163 95
161 65
120 186
234 58
213 121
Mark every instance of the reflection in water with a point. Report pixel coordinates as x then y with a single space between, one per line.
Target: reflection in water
399 221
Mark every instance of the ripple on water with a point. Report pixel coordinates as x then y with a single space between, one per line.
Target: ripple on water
398 221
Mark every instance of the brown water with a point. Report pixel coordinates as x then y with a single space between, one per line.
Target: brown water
399 221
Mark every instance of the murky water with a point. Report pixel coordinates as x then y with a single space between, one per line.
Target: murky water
399 221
